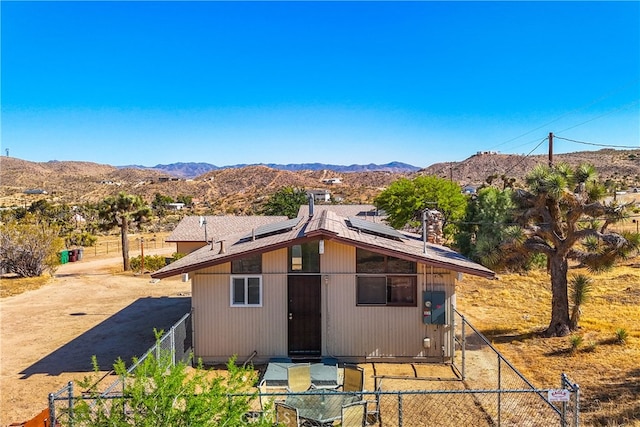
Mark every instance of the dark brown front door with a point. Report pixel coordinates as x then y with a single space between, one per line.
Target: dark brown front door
305 327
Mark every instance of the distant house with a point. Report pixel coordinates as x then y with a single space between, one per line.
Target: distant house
35 191
174 206
320 195
321 284
332 181
193 232
469 189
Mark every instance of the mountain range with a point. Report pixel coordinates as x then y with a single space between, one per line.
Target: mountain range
193 169
241 189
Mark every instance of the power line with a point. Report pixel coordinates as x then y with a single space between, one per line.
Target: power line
602 115
527 155
589 104
597 145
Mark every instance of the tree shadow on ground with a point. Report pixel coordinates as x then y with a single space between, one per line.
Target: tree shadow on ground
621 399
507 335
126 334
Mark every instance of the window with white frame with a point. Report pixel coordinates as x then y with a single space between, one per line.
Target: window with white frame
246 291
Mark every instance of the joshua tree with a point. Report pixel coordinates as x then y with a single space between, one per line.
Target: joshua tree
122 211
559 212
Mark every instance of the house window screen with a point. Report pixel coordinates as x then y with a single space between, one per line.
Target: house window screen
372 262
386 290
372 290
246 291
401 290
248 265
305 258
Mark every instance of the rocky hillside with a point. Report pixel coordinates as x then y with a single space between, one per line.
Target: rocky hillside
193 170
241 189
622 166
232 190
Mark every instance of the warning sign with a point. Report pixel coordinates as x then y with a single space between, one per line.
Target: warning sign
559 395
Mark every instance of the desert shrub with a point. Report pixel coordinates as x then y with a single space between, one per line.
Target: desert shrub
29 249
622 336
84 239
576 342
177 255
151 262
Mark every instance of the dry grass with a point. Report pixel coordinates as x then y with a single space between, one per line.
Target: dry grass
512 312
10 286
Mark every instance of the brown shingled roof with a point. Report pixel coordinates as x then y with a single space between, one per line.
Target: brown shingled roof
189 230
325 224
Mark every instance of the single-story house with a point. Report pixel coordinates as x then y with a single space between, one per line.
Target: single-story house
332 181
323 285
320 195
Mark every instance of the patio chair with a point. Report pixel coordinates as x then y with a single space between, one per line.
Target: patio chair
299 378
353 378
286 415
354 414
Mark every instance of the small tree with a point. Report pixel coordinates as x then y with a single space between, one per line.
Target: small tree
29 248
123 211
405 199
485 226
286 201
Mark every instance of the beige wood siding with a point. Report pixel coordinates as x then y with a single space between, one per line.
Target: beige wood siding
360 331
222 330
347 329
188 247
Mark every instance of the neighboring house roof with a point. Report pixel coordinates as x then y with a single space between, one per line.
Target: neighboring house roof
368 212
189 229
326 225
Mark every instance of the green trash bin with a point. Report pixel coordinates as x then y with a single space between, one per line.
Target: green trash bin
64 257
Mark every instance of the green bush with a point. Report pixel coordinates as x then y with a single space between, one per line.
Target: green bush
151 262
161 393
84 239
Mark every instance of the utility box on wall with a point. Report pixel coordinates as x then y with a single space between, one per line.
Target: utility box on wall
433 308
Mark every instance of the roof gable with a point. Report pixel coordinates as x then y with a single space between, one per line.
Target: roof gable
324 225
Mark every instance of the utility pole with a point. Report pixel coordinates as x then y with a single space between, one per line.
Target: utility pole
550 149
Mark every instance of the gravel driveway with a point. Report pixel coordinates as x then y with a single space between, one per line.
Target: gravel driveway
48 335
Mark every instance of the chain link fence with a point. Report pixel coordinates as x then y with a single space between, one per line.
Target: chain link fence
178 342
506 397
480 388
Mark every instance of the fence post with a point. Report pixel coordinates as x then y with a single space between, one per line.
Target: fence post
499 391
464 347
52 409
173 345
576 412
400 409
70 388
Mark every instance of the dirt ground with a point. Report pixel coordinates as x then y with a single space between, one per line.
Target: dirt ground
49 335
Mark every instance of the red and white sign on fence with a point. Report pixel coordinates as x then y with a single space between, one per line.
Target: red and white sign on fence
559 395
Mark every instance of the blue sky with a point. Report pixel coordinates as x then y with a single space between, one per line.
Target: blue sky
298 82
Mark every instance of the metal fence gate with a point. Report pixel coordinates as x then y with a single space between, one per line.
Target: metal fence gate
507 397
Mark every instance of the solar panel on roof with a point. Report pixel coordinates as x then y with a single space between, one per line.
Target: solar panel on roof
275 228
375 228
